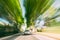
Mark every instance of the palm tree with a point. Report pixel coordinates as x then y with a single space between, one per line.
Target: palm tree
11 11
35 8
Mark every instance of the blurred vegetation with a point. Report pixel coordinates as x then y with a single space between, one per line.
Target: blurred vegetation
54 23
6 30
10 10
35 8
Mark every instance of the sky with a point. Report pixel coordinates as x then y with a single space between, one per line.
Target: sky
23 8
56 4
2 20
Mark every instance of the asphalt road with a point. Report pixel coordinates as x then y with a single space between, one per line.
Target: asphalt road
12 37
34 37
29 37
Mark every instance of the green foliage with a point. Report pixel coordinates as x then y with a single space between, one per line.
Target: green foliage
34 8
54 23
11 10
7 30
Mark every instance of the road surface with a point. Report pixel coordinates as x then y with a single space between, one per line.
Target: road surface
30 37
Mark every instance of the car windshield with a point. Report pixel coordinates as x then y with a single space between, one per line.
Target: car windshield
26 30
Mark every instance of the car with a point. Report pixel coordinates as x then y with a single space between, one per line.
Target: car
27 32
41 28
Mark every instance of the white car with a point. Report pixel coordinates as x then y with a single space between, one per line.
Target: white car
27 32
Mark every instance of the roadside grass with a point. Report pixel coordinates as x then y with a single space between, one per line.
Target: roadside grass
54 29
